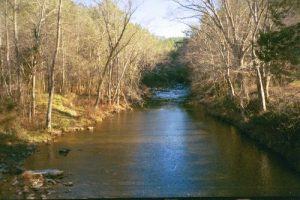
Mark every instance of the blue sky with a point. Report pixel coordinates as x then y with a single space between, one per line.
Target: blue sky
156 16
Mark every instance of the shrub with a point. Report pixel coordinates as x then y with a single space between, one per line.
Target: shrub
9 104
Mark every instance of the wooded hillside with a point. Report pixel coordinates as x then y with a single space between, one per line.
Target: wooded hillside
60 47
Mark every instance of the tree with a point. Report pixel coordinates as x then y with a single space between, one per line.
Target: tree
113 43
52 67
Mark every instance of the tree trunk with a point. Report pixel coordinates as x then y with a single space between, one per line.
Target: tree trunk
113 48
33 96
231 88
117 92
16 41
101 80
2 77
260 87
7 50
110 84
63 90
52 70
230 85
2 71
242 79
266 80
267 86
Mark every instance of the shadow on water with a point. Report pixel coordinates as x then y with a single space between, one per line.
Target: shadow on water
165 150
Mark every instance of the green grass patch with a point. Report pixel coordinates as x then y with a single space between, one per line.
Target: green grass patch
60 103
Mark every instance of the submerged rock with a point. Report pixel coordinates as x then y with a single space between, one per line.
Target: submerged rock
30 196
19 193
17 169
68 184
15 182
64 151
31 147
25 189
3 169
51 181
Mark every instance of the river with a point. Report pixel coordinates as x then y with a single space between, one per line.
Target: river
165 150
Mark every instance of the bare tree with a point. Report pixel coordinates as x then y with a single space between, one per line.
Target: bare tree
257 9
114 46
17 50
52 68
8 64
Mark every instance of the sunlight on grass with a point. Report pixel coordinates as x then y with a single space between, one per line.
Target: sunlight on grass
60 104
295 84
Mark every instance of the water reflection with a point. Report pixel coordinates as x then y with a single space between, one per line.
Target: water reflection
165 152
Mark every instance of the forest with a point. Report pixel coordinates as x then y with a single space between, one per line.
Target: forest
251 47
244 60
59 52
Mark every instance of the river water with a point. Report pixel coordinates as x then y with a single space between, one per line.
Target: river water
165 150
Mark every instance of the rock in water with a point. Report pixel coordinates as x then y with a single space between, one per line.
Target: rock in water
64 151
90 128
51 181
35 178
45 172
68 184
30 196
15 182
37 183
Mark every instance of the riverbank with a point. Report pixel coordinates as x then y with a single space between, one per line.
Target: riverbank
20 137
276 129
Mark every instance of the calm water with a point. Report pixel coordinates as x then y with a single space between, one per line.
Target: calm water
165 151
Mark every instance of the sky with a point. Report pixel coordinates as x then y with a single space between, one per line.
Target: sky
156 16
